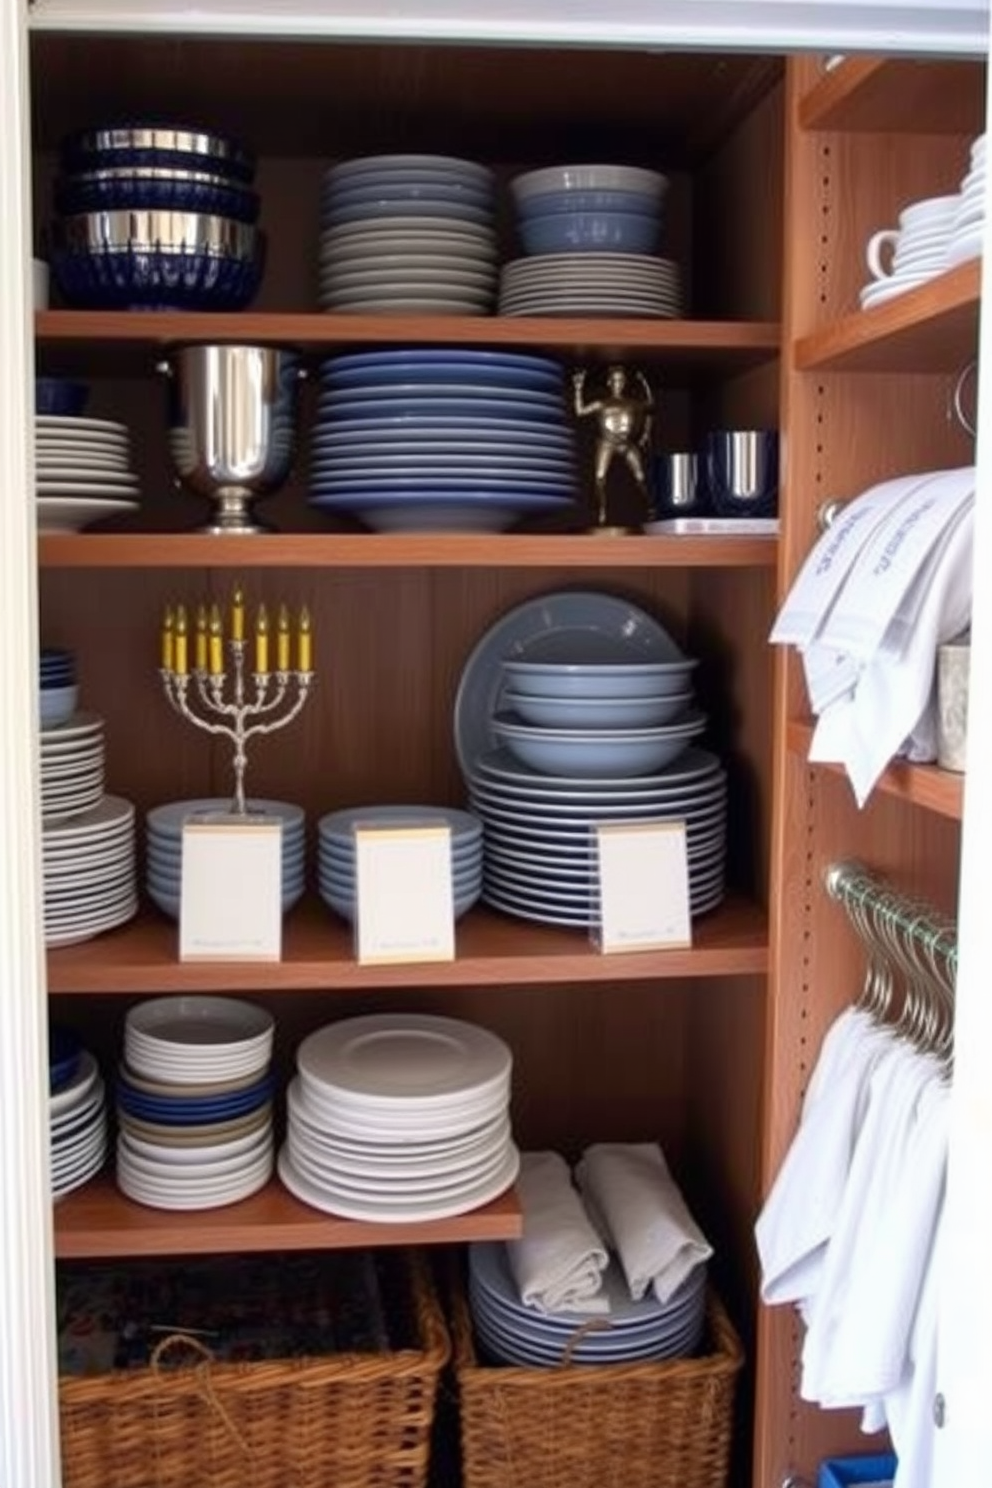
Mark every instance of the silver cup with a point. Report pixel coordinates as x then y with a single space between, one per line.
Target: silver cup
742 471
232 425
677 489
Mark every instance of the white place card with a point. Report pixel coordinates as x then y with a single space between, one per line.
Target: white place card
231 896
405 906
643 871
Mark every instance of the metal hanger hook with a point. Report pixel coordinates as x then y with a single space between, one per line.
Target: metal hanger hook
955 406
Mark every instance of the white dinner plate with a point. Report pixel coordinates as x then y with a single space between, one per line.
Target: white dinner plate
391 1211
60 514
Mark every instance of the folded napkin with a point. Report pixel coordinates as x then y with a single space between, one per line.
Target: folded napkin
628 1188
558 1265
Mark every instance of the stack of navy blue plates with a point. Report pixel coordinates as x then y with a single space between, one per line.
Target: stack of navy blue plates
442 440
194 1102
508 1332
156 216
77 1113
408 234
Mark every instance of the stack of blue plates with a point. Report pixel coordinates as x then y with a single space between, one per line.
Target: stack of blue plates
337 850
164 841
443 440
510 1333
408 234
77 1113
194 1102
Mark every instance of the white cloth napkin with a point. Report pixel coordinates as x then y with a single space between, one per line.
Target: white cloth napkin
631 1193
558 1265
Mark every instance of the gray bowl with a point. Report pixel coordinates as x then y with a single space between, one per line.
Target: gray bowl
615 679
598 713
598 753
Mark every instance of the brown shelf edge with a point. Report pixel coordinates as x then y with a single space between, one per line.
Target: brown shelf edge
409 550
926 786
492 950
895 94
99 1221
939 319
315 330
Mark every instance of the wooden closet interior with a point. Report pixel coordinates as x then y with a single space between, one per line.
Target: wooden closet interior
780 169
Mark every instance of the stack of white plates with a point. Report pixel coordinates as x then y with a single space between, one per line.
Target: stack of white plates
82 472
337 850
399 1117
968 232
408 234
89 872
164 846
78 1126
71 767
443 439
510 1333
194 1102
624 284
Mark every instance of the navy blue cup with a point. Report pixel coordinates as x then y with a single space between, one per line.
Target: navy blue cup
741 468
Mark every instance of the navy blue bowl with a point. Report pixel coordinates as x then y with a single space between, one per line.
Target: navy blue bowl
60 395
100 149
74 195
156 279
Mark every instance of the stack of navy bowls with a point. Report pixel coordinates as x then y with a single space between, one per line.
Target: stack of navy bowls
58 689
590 234
156 217
408 234
443 440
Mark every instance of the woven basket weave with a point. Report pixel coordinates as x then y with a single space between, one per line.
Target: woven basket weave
347 1421
641 1425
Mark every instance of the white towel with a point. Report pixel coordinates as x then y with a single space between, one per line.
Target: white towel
628 1187
558 1265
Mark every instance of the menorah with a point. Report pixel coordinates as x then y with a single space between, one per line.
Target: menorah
221 699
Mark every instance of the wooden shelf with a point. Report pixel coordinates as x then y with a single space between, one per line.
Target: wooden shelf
98 1220
492 950
926 786
930 329
408 550
898 95
131 340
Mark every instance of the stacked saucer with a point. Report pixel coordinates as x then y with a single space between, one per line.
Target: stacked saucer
632 285
164 846
77 1114
82 472
399 1117
89 871
443 439
71 766
57 686
968 229
337 850
511 1333
408 234
194 1102
904 257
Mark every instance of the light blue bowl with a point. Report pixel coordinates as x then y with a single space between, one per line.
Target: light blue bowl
591 232
597 754
57 704
551 203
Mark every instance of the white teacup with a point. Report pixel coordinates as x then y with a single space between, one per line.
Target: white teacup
918 246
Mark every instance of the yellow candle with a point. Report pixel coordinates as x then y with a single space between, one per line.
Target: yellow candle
238 615
181 666
282 640
262 643
216 642
201 638
305 642
168 648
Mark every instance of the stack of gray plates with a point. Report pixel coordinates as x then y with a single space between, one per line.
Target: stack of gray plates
510 1333
164 841
633 285
336 852
408 234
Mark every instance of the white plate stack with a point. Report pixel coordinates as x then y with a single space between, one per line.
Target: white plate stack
634 285
408 234
88 862
72 758
194 1102
968 231
164 846
399 1117
337 850
77 1114
82 472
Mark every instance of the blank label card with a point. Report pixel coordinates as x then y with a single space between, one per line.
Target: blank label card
643 886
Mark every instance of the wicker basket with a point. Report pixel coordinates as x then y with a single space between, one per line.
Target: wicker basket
347 1421
640 1425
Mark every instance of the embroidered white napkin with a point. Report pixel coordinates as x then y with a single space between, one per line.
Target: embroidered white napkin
558 1265
631 1193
